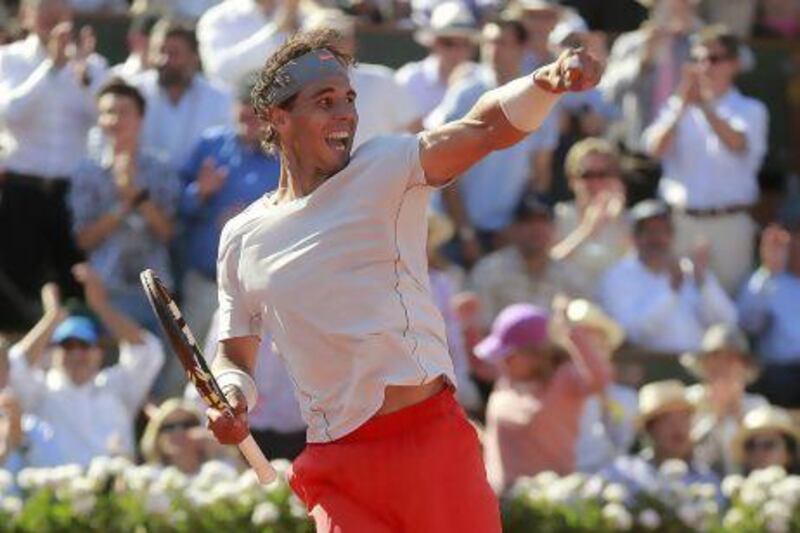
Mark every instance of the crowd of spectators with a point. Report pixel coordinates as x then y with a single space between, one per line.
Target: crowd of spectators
610 300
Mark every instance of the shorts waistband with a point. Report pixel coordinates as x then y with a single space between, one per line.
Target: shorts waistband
411 417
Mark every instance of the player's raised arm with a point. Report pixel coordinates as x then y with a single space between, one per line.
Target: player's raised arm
504 116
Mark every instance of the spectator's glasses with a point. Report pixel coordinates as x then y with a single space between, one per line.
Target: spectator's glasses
184 425
713 59
598 174
72 345
453 42
764 445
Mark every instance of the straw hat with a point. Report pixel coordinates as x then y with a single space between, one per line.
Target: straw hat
718 338
449 19
661 397
761 419
587 314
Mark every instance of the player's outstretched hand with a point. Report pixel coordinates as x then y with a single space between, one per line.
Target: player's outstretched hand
575 70
230 428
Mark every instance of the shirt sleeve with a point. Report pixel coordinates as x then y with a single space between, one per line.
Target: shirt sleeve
165 188
138 366
19 100
28 383
236 318
753 302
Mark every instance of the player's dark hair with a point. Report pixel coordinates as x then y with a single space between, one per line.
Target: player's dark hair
119 87
296 46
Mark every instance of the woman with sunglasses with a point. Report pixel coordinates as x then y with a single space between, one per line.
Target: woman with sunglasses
592 229
175 437
768 437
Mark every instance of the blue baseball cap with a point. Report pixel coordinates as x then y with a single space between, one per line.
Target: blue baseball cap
76 327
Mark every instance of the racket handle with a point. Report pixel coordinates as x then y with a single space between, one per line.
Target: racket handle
255 458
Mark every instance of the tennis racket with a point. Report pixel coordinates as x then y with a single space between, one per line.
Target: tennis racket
185 346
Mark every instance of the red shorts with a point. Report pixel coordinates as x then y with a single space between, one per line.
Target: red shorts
418 470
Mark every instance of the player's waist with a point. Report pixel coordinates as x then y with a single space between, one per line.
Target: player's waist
406 419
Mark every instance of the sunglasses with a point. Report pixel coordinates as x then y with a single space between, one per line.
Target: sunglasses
712 59
597 174
184 425
765 445
450 42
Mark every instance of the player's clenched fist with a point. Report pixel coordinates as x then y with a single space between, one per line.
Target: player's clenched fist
575 70
230 428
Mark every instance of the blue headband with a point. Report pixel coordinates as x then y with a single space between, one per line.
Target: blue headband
299 72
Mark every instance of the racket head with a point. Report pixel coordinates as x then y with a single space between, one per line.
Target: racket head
182 341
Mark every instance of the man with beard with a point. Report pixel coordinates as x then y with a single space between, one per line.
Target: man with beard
181 103
334 265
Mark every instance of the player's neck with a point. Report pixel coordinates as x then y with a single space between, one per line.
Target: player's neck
298 178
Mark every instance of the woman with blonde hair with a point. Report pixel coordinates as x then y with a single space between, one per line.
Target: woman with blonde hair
175 436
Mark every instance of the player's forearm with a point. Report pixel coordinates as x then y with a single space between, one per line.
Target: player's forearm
234 366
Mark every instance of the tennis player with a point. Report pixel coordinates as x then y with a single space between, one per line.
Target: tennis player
333 264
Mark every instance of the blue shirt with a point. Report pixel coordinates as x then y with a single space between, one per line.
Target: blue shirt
133 246
493 187
769 307
251 174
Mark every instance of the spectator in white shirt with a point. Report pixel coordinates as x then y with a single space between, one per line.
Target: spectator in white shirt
712 140
181 103
46 110
237 36
383 105
138 41
665 303
91 411
187 11
450 40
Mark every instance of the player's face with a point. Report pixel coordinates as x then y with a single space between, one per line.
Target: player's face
321 124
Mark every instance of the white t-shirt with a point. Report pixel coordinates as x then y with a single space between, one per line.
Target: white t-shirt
340 279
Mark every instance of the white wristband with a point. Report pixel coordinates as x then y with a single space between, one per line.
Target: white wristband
240 380
525 104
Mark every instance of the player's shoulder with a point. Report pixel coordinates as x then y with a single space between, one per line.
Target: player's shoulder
243 223
385 146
